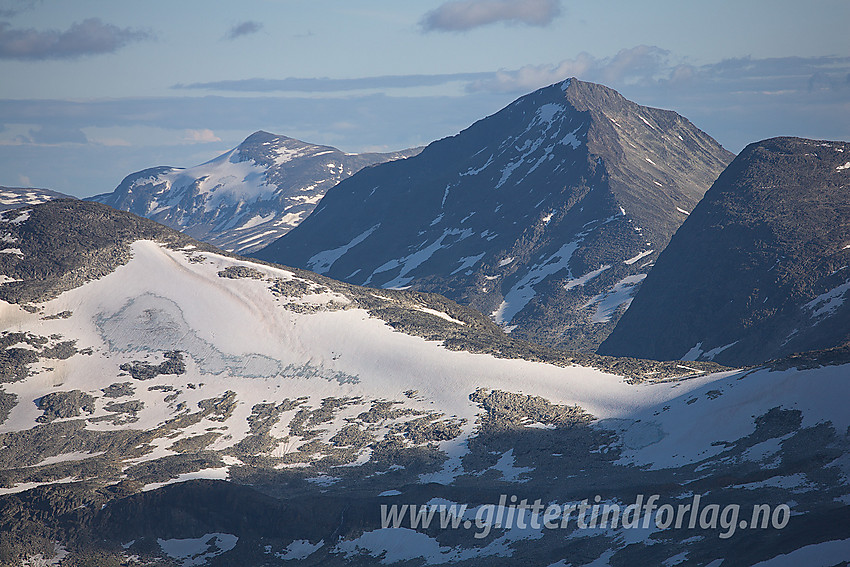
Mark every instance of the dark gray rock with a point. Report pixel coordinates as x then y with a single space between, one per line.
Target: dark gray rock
173 364
61 405
760 268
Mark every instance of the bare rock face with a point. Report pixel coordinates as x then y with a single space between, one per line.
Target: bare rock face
759 269
245 198
546 215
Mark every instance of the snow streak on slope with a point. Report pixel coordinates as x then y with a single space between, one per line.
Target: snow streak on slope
523 291
323 261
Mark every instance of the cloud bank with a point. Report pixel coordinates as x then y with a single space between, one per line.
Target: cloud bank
462 15
11 8
327 85
89 37
647 67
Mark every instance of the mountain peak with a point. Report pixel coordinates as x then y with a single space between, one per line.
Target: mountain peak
537 214
246 197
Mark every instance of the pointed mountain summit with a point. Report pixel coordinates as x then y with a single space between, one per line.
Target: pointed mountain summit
245 198
545 215
759 269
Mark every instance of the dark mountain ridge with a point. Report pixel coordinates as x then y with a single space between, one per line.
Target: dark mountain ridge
759 269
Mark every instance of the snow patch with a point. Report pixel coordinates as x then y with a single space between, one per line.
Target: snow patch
634 259
255 221
507 466
467 262
821 554
694 353
299 549
608 302
585 278
523 291
412 261
440 314
709 355
827 303
473 171
196 551
323 261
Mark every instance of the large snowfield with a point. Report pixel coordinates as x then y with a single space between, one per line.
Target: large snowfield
240 338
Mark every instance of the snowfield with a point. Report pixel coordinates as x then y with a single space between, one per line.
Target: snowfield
244 366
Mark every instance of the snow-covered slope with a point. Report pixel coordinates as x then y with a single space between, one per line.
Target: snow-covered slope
319 401
245 198
546 215
760 268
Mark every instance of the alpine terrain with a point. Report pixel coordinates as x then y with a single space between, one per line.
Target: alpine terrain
163 402
245 198
14 197
760 268
546 215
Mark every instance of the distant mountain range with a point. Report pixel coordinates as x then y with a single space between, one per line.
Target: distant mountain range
245 198
14 197
759 270
166 403
546 215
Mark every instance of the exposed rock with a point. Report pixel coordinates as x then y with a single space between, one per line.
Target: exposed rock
758 271
60 405
236 272
118 390
173 364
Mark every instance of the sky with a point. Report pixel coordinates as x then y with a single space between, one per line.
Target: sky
93 90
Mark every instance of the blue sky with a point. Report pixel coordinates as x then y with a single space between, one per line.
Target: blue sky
93 90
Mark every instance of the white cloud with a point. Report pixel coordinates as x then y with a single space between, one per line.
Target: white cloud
461 15
629 66
202 136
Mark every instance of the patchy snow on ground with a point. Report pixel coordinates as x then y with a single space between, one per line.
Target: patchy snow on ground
608 302
192 552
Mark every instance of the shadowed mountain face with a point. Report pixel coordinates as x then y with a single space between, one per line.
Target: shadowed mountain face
166 403
760 268
246 198
546 215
